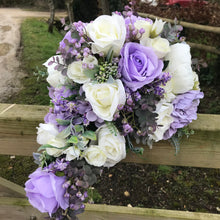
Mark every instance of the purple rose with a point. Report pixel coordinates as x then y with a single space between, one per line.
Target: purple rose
139 65
184 111
45 191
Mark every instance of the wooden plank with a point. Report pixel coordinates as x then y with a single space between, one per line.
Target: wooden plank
184 24
18 137
12 187
103 212
201 150
204 47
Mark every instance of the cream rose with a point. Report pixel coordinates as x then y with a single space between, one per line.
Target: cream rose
180 68
107 32
157 28
160 45
72 153
168 95
105 98
58 143
95 156
196 81
164 119
146 25
55 78
113 146
46 132
75 69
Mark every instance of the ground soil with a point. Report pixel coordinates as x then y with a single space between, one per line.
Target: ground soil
137 185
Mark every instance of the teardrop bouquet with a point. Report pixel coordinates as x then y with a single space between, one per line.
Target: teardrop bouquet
117 78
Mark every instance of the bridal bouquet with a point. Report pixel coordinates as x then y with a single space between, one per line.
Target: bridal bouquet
117 78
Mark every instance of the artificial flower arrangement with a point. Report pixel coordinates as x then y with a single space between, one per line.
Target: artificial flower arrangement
117 78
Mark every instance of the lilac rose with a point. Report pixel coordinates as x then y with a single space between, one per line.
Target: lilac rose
45 191
184 111
139 65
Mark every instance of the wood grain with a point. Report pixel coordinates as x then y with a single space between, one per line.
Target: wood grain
19 208
18 137
184 24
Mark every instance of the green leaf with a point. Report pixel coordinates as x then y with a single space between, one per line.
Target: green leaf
91 72
75 35
110 55
73 140
165 64
43 147
64 133
59 173
63 122
81 145
90 135
175 142
78 128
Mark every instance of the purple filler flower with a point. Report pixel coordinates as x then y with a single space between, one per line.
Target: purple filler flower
139 65
185 108
45 192
69 38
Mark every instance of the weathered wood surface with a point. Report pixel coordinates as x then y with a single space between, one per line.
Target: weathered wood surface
18 137
19 209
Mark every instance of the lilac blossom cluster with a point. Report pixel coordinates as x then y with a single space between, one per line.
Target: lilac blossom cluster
114 78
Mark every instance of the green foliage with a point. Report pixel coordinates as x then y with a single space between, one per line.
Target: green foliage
38 45
91 72
181 132
73 140
93 195
165 169
45 146
129 145
112 128
63 122
90 135
45 159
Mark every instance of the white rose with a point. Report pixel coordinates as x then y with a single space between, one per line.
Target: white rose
146 25
107 32
113 146
95 156
58 143
55 78
75 69
183 79
72 153
180 68
105 98
157 28
179 54
164 119
46 132
160 45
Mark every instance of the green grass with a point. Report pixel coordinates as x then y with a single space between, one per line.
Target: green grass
38 46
